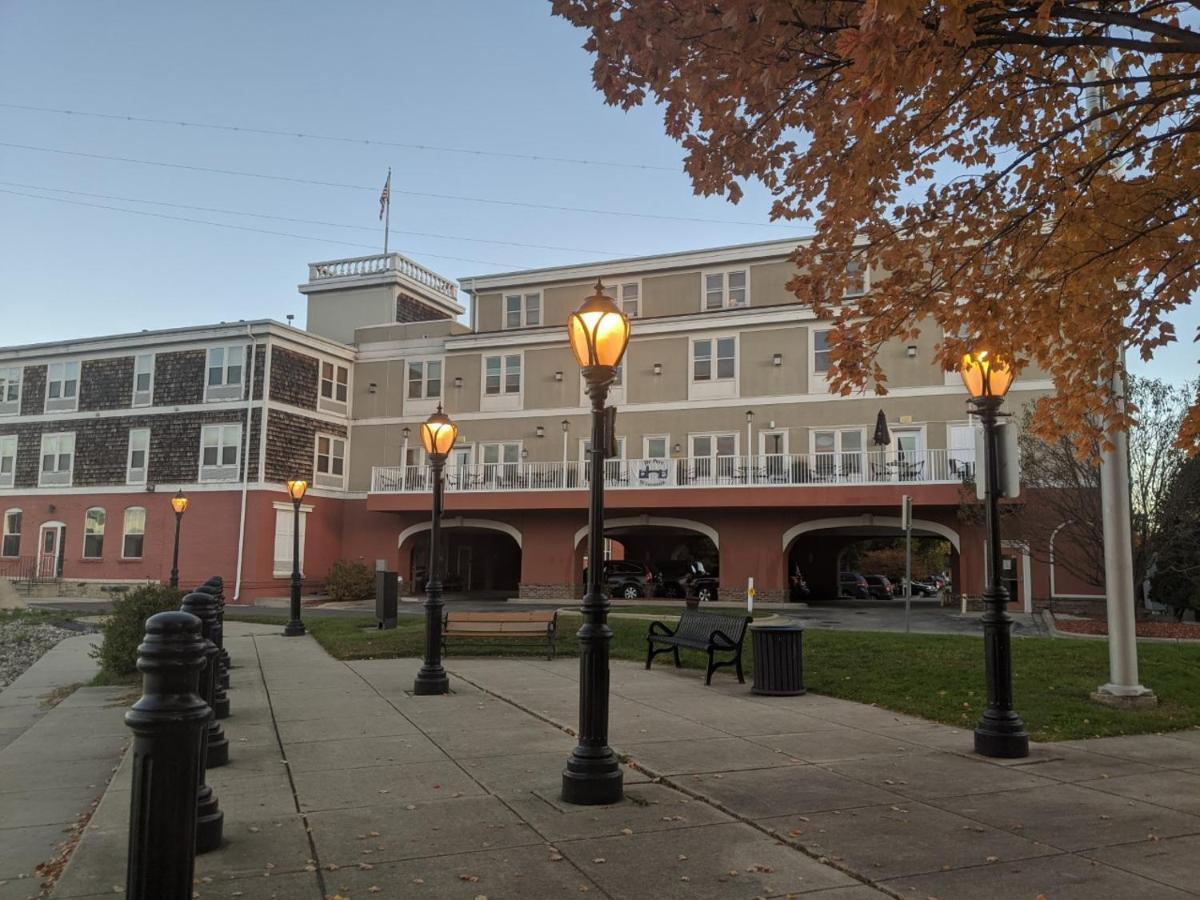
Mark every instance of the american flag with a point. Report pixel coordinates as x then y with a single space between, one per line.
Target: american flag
386 197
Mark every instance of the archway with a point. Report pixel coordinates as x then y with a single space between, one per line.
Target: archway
481 558
666 547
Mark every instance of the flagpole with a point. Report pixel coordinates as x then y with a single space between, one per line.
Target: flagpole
387 213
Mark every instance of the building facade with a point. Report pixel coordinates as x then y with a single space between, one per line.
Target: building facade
731 447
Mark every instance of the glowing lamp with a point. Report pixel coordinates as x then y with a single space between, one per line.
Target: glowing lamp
438 434
296 488
985 375
599 331
179 503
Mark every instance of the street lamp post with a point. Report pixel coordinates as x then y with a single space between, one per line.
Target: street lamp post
438 434
599 333
178 503
296 488
1000 731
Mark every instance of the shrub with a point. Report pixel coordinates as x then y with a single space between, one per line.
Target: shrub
350 580
126 626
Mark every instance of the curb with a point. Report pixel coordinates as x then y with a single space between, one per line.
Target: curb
1048 620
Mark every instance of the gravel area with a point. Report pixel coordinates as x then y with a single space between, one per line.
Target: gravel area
22 643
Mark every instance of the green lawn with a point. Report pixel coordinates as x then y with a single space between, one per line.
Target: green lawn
937 677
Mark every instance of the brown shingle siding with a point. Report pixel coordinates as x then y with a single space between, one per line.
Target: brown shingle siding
291 440
294 378
33 391
106 383
179 378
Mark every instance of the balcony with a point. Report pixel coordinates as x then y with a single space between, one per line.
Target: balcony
883 467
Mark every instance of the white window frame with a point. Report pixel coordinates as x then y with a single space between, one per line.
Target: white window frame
9 444
617 290
834 465
523 299
647 438
714 387
504 400
145 396
126 533
426 403
134 475
818 382
712 470
87 516
961 460
11 405
5 534
858 260
62 403
221 472
332 403
330 478
59 477
284 519
225 389
501 470
762 441
725 288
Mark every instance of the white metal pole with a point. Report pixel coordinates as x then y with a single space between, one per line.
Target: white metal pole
404 465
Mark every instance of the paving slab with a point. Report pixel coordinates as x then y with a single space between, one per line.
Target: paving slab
1179 791
839 742
357 753
1171 861
925 775
1165 752
765 793
729 754
382 785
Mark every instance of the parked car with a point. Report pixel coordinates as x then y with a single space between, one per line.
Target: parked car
879 587
851 584
627 579
682 578
919 588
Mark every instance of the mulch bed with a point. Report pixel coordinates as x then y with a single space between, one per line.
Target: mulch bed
1157 629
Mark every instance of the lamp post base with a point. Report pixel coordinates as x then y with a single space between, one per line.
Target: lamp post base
593 780
431 681
1001 738
294 628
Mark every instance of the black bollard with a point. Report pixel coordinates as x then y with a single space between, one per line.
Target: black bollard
168 723
220 701
210 819
219 583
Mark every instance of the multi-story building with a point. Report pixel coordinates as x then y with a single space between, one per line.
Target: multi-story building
731 448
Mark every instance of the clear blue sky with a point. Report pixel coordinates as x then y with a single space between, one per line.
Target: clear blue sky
502 77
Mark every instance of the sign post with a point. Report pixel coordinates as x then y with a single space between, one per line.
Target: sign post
906 524
750 594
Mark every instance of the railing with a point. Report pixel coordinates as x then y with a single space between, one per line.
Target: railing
374 265
764 470
29 570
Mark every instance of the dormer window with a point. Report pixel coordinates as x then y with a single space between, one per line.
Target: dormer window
522 310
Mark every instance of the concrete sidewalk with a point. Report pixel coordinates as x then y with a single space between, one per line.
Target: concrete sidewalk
342 783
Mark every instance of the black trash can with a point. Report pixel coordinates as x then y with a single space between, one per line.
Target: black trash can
387 594
778 660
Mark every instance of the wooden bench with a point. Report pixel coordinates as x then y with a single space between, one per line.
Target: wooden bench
490 626
710 632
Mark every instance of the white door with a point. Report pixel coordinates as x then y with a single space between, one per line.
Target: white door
909 459
50 550
960 452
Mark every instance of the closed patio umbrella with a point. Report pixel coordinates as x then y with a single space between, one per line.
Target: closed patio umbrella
883 437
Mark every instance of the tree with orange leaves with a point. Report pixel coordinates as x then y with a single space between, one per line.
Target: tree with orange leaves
1027 174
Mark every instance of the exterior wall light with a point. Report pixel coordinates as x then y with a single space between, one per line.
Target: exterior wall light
558 376
912 351
540 431
658 368
458 381
777 359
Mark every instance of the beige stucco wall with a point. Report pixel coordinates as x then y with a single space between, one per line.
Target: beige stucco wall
336 314
768 283
434 328
488 314
388 399
466 366
758 373
642 385
675 294
542 391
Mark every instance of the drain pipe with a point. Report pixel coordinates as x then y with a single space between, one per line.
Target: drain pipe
237 588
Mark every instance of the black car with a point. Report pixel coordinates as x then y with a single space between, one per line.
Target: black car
919 588
679 578
879 587
851 584
627 579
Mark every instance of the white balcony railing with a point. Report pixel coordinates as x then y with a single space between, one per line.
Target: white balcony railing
375 265
772 470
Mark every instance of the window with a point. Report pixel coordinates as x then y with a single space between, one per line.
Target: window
522 310
726 289
225 366
220 450
135 533
139 455
58 457
331 460
713 455
8 459
500 462
424 379
62 386
335 386
856 277
629 298
714 359
654 446
11 545
93 533
502 376
821 351
284 520
143 379
960 441
838 454
10 390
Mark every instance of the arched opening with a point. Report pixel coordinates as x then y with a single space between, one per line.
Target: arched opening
861 559
480 559
654 556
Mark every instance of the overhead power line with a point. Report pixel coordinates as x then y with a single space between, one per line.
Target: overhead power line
370 142
375 189
304 237
238 212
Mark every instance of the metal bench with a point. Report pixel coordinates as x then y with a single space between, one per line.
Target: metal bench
710 632
490 626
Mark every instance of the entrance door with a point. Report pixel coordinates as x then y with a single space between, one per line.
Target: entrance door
1012 577
462 565
50 550
910 461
